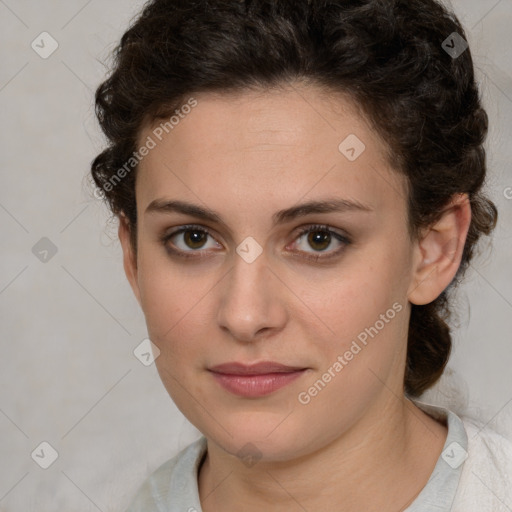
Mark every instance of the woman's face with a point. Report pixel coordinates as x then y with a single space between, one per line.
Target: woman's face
244 285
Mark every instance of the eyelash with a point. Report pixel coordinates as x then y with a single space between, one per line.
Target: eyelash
314 228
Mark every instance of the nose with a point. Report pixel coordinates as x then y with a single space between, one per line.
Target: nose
252 301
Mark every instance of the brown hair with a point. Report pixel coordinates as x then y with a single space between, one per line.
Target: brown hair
389 56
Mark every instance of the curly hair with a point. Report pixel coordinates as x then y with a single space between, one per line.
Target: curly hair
387 55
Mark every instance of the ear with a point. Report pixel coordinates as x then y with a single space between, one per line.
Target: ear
129 259
437 255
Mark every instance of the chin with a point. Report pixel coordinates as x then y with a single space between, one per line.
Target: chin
265 440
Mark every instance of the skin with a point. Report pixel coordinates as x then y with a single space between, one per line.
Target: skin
359 444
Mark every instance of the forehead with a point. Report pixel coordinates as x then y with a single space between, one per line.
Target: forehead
274 146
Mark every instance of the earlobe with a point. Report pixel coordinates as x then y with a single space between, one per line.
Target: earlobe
439 252
129 260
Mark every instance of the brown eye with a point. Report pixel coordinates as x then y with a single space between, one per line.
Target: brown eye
319 240
194 239
189 240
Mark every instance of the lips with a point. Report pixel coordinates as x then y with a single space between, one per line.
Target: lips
263 368
256 380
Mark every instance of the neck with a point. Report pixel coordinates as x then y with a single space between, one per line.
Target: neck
386 458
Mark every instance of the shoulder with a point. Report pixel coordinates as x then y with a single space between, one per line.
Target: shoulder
486 478
172 483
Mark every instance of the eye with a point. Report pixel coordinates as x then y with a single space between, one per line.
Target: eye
191 240
320 238
188 239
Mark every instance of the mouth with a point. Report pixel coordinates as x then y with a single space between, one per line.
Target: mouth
256 380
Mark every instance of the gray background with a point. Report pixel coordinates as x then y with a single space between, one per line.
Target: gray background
69 325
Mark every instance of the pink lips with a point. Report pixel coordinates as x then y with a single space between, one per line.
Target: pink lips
255 380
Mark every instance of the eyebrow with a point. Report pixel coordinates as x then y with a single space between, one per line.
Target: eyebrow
335 205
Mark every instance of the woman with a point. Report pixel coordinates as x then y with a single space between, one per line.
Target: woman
298 185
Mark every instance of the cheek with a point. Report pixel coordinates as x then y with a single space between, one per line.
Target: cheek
176 304
355 298
362 358
170 295
175 322
364 324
